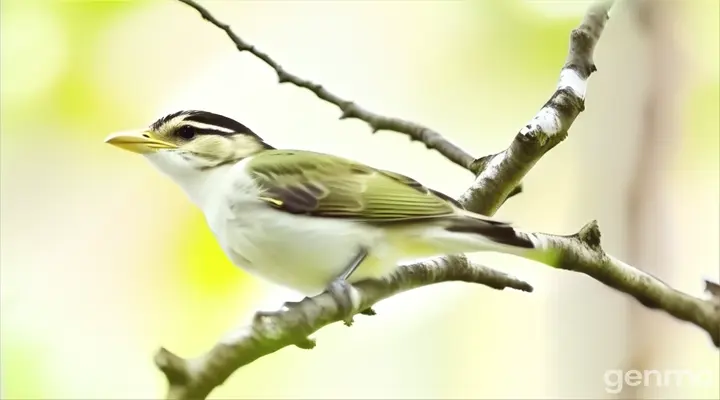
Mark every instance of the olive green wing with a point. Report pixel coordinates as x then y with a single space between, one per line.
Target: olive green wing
322 185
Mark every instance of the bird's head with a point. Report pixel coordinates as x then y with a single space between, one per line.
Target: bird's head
189 141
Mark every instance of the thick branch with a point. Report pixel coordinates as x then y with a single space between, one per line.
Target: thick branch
377 122
499 174
583 253
269 332
498 177
272 331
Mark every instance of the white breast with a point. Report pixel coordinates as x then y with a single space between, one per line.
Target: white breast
301 252
298 251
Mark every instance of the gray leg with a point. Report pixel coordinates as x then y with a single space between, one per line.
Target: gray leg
341 290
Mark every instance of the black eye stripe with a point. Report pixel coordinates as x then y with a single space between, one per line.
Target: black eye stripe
188 131
205 117
224 126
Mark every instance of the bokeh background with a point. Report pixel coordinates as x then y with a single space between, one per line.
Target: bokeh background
104 260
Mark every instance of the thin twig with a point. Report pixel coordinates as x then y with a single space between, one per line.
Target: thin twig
350 109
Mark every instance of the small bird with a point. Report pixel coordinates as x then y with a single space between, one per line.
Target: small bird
309 221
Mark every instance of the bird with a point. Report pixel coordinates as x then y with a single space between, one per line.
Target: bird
305 220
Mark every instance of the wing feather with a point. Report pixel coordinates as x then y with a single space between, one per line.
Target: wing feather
303 182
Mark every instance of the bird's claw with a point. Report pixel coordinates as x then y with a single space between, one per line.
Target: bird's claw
342 293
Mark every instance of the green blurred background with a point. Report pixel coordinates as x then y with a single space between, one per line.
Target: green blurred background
104 260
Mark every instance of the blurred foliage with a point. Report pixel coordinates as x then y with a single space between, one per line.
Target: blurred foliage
702 146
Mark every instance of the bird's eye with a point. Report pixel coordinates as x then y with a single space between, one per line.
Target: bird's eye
186 132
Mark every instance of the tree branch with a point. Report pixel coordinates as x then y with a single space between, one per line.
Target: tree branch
583 253
498 176
377 122
271 331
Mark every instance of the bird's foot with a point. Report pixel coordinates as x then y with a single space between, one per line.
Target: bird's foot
346 298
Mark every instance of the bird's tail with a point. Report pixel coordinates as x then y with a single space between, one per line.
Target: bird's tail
497 231
463 232
468 232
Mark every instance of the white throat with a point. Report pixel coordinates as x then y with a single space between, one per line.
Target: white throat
199 184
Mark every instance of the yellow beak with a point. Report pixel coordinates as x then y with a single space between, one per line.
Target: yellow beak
141 141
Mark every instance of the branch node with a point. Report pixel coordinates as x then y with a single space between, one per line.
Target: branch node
174 367
713 289
283 76
516 191
582 42
348 109
479 164
590 235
